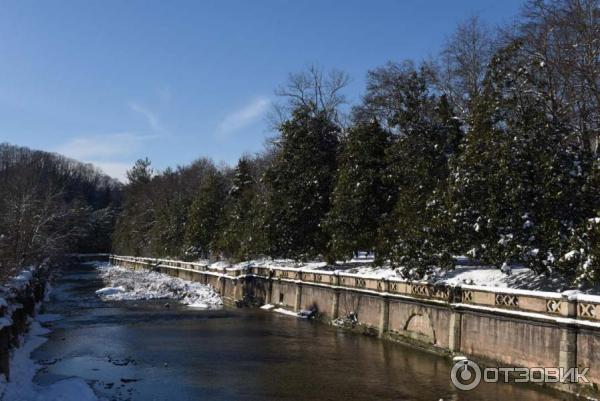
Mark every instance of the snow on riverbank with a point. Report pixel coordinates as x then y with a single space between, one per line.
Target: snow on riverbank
466 272
487 276
517 277
126 284
23 369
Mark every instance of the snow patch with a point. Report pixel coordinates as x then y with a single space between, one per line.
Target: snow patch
110 291
5 322
74 389
287 312
283 311
571 255
23 369
124 284
22 279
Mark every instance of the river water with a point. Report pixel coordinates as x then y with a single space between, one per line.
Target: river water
141 350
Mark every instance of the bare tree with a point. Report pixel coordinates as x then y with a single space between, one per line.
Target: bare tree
463 62
563 37
398 95
49 205
315 90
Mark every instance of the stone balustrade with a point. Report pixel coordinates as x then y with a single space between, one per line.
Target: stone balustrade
547 303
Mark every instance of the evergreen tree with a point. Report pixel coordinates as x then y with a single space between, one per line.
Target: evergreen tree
239 228
134 226
141 173
359 198
414 235
582 257
517 183
172 206
426 134
204 216
300 182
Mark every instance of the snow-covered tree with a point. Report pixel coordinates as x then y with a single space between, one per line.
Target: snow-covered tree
240 228
359 198
300 181
50 205
583 258
204 216
425 134
517 182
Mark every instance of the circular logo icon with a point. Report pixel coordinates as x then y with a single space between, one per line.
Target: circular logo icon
465 375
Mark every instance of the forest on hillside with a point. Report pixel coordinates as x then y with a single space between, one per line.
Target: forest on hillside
51 205
490 150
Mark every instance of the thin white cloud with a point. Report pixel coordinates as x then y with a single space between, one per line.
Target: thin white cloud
116 170
113 153
151 117
245 116
102 146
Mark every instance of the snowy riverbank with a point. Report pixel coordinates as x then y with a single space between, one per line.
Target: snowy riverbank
124 284
18 291
23 369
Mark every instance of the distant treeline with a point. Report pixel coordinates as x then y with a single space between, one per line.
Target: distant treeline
489 151
50 205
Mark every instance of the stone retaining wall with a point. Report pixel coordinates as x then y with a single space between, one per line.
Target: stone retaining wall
499 326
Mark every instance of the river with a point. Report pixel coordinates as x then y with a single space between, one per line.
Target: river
142 350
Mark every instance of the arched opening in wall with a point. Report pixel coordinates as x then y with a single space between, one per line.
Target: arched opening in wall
419 327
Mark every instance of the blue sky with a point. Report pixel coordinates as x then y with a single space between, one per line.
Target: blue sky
112 81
